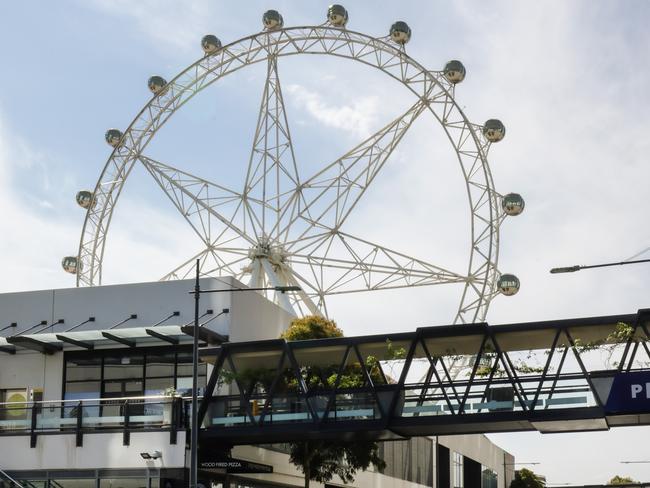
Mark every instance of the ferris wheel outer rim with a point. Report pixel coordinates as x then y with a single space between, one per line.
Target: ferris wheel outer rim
489 283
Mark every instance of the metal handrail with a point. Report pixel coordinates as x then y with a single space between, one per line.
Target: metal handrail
99 400
10 478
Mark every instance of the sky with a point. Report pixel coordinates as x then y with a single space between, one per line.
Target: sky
568 79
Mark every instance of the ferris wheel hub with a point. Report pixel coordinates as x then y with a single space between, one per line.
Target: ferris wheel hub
274 253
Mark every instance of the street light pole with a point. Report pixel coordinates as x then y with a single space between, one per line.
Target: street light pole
194 468
194 440
573 269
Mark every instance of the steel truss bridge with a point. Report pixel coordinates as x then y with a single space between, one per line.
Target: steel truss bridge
556 376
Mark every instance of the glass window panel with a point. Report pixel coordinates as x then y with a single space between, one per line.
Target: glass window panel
133 388
124 367
83 369
184 364
82 391
186 370
157 386
160 365
184 385
113 387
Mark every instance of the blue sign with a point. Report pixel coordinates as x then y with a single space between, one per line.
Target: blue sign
630 393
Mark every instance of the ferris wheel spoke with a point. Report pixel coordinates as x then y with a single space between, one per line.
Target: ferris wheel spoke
224 261
332 193
272 174
200 202
212 261
346 264
184 270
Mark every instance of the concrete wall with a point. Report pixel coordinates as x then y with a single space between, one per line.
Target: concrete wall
481 449
151 302
286 473
255 318
98 451
27 369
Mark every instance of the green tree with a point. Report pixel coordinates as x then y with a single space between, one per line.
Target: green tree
322 460
621 480
525 478
311 327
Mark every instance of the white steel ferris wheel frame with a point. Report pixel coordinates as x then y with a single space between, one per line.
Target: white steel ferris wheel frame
283 227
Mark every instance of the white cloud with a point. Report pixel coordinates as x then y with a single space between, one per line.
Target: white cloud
32 244
357 117
35 236
169 24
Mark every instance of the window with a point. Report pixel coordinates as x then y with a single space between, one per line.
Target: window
118 373
489 478
184 374
457 480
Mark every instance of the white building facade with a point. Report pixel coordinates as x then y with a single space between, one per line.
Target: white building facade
91 381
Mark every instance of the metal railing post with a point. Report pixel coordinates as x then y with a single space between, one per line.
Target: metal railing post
79 432
126 436
32 436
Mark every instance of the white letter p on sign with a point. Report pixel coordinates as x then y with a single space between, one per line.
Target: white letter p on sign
636 389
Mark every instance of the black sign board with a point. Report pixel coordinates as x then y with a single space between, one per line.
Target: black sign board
232 465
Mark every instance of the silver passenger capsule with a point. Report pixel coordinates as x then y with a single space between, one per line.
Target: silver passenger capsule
156 84
454 71
210 44
508 284
400 32
494 130
337 15
70 265
113 137
85 199
272 20
513 204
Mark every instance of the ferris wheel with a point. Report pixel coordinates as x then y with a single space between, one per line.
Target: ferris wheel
284 228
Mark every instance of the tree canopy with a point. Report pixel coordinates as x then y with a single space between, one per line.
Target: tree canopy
311 327
621 480
322 460
525 478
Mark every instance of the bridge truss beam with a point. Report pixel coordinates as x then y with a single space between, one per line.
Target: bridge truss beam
565 375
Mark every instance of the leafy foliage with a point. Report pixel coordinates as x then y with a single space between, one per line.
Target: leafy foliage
525 478
621 480
311 327
322 460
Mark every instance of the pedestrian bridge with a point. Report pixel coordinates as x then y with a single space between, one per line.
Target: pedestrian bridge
556 376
